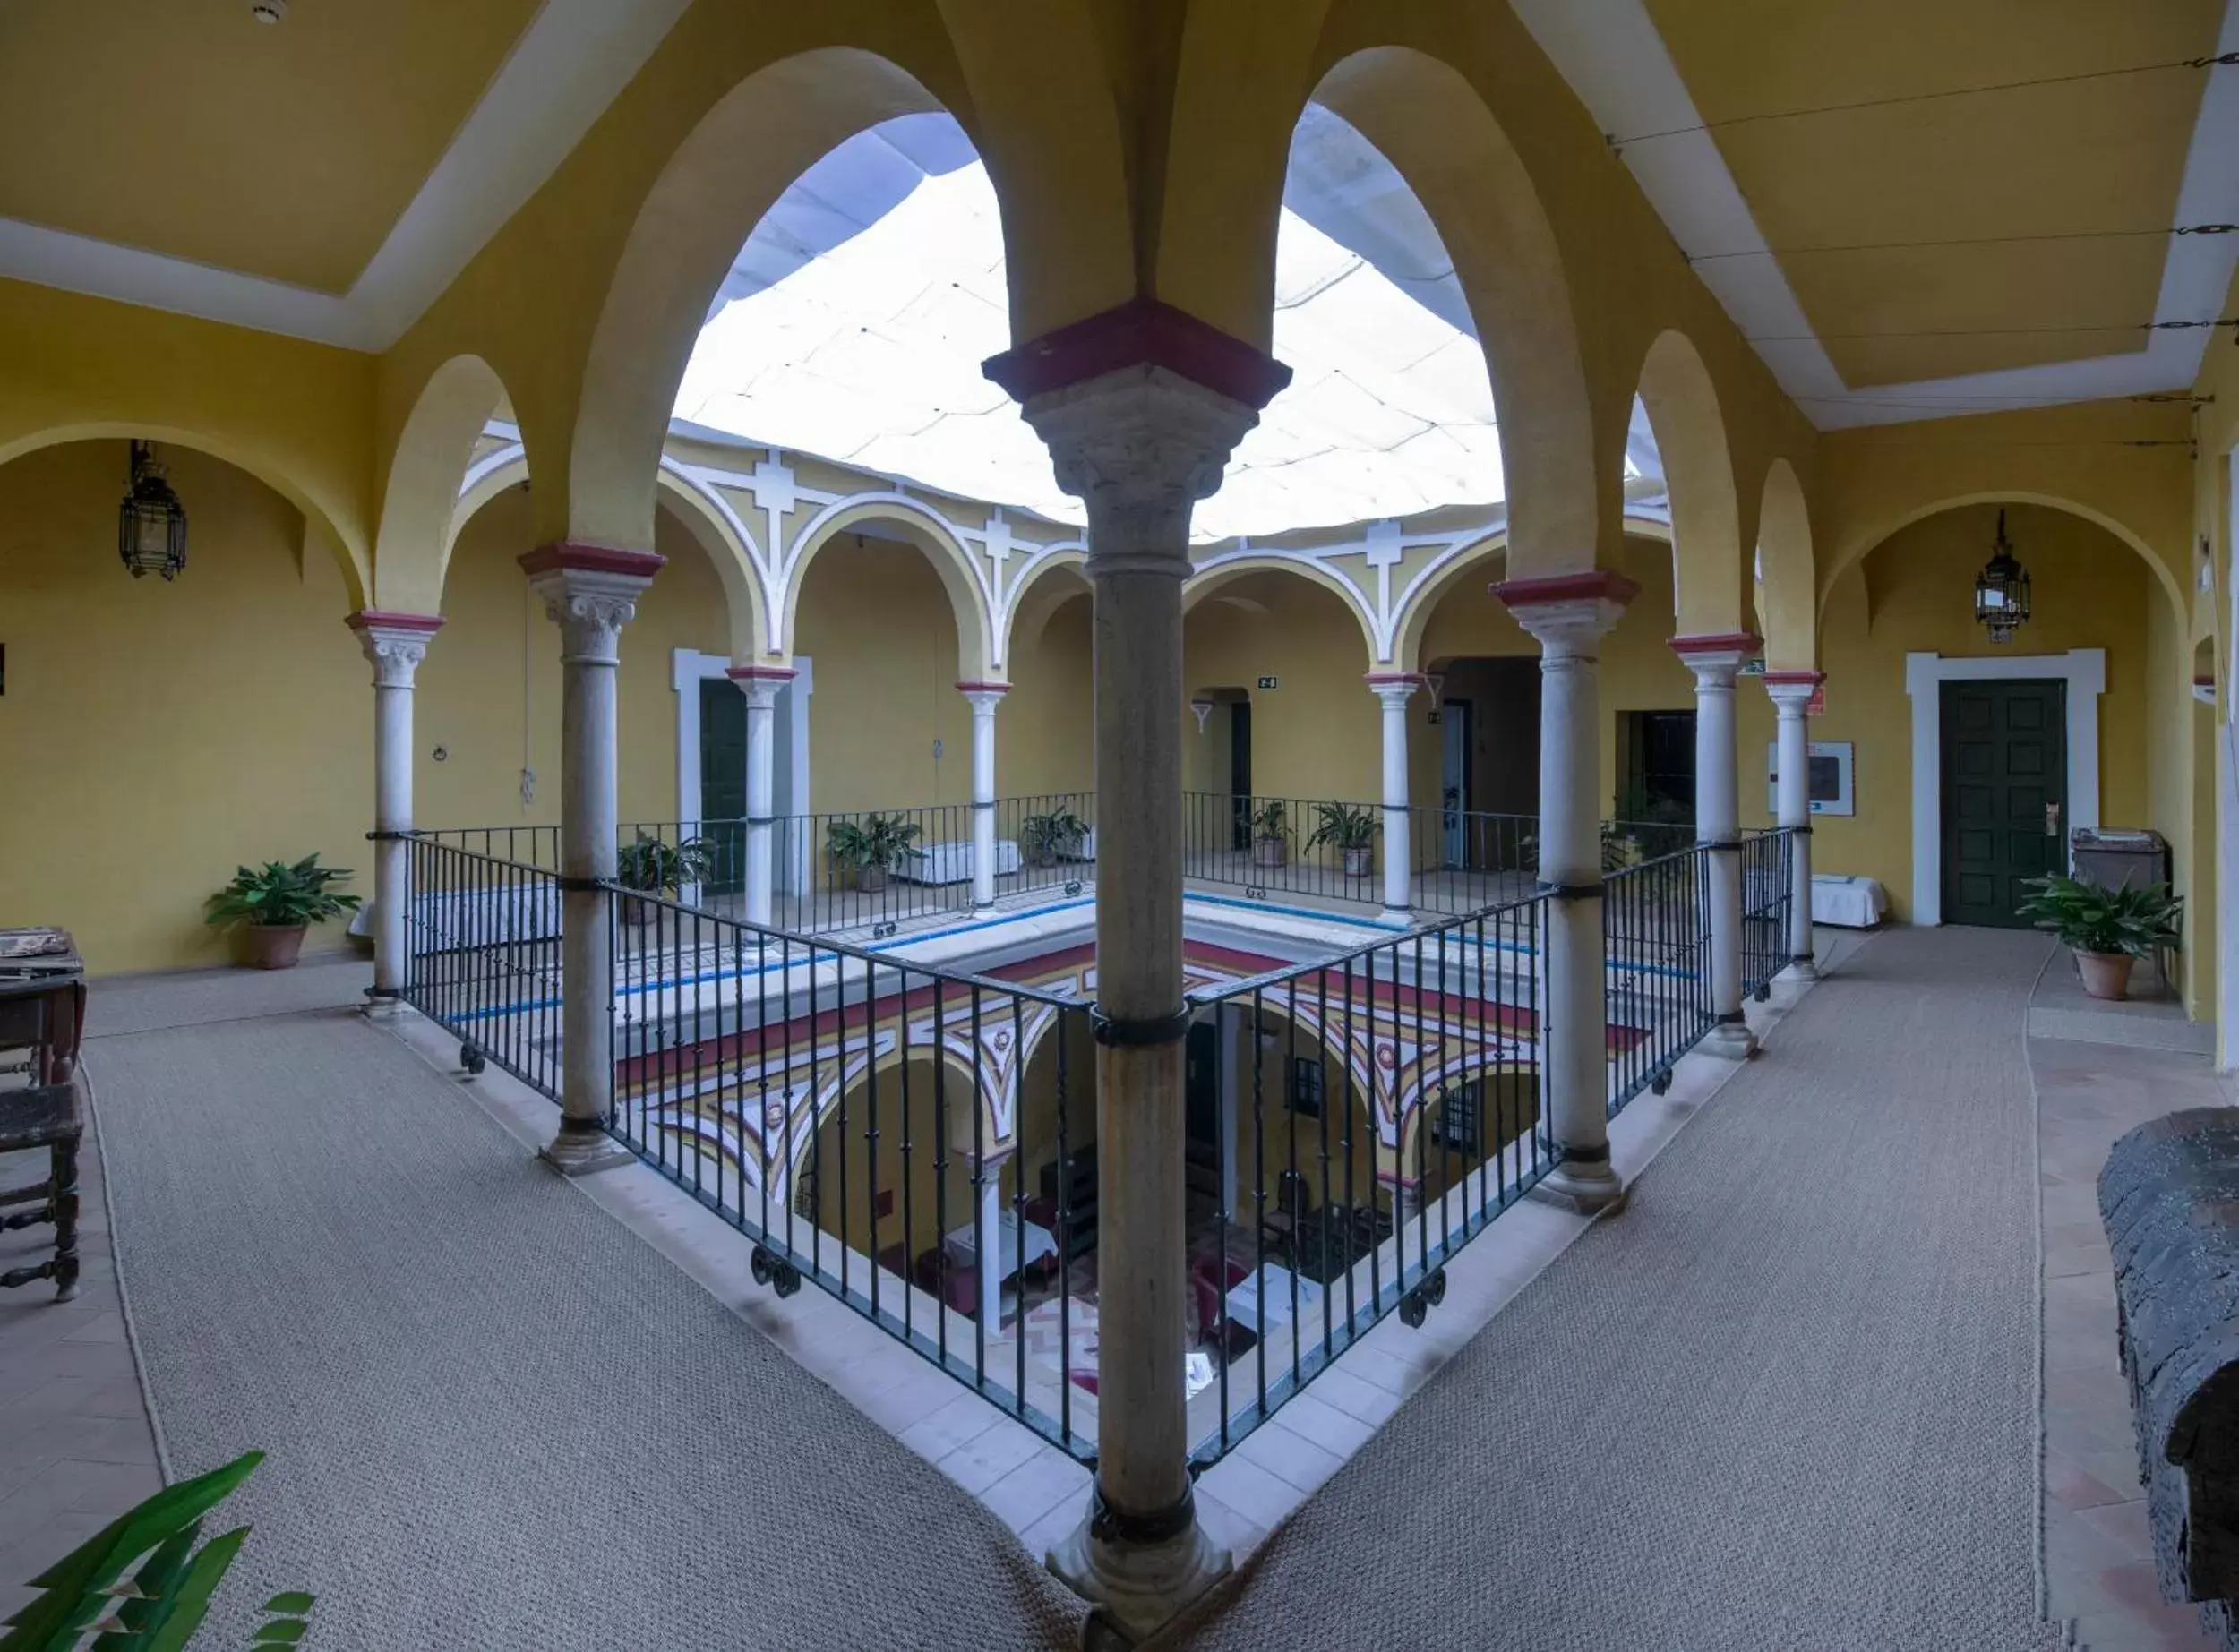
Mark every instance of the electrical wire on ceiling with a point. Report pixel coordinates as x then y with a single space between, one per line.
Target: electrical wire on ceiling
1907 247
1999 332
2222 60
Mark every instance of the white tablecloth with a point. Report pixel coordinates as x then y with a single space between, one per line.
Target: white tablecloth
1851 903
962 1244
951 862
1244 1307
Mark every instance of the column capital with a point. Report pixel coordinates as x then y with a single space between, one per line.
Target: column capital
761 683
1568 613
1140 406
983 695
1792 691
1392 688
1714 659
394 643
590 592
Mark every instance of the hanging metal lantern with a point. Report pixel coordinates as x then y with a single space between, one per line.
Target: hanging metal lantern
151 523
2001 590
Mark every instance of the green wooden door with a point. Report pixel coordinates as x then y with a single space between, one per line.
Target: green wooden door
2005 795
723 783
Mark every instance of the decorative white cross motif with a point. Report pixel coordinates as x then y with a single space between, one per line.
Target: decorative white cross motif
774 488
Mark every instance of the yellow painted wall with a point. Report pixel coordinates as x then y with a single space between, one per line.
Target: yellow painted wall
1915 593
1316 734
154 736
489 692
882 633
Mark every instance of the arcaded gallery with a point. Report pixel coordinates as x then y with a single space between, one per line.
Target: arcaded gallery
966 824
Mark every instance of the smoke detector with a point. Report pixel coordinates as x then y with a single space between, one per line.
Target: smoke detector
269 11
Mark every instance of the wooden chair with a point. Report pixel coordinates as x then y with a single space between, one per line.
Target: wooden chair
1293 1200
48 1116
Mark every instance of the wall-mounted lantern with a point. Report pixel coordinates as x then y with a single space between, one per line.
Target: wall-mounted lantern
1203 708
151 523
2001 590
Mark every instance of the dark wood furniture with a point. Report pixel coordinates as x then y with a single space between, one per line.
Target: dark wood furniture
47 1116
42 1009
1072 1187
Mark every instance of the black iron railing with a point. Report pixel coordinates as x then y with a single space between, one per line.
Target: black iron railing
1656 934
482 941
878 1128
1465 862
871 872
1353 1123
1767 889
1268 846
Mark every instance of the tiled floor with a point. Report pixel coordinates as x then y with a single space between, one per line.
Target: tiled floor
75 1448
2098 1563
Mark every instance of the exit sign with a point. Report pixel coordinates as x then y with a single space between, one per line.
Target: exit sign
1267 682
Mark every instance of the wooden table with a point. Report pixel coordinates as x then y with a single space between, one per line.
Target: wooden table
42 1009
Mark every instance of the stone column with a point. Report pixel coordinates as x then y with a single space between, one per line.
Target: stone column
760 684
395 644
1714 660
1393 688
985 696
1140 407
591 593
1792 693
1569 614
988 1181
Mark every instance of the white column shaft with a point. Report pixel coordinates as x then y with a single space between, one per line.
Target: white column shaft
1573 1016
984 699
1792 759
1399 837
1718 824
1575 1038
395 646
1140 447
760 689
989 1256
392 817
590 604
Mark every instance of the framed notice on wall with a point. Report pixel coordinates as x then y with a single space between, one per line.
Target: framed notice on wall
1831 792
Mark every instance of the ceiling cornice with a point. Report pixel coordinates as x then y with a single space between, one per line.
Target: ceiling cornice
568 64
1613 57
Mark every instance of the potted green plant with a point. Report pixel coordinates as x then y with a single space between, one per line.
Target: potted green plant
657 868
1045 840
277 902
1270 825
870 850
2107 930
1349 828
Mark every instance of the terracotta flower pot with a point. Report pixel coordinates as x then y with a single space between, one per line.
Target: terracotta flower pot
635 911
2106 974
275 945
1360 861
1269 851
870 879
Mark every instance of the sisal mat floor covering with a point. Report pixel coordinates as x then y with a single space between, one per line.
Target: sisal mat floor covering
1786 1399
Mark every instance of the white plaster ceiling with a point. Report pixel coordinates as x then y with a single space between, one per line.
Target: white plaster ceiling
1613 57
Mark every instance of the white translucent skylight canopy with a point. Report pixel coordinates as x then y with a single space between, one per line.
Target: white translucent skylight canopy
855 322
